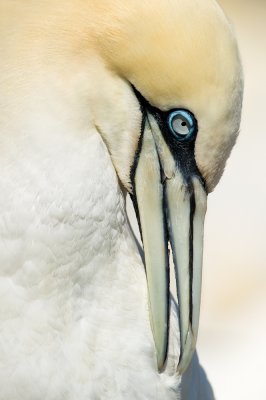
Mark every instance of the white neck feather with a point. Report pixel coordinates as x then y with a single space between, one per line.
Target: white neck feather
73 288
63 215
72 281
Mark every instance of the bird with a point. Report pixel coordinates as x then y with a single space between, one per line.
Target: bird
101 100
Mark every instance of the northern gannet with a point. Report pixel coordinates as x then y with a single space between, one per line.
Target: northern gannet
97 99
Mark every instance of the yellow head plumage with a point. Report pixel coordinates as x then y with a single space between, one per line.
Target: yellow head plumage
179 54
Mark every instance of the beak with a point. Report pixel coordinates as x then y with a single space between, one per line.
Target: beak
170 202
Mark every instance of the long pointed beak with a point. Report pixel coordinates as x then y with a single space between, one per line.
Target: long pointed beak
170 208
186 211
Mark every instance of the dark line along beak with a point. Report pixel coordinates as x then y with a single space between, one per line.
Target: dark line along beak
186 211
169 207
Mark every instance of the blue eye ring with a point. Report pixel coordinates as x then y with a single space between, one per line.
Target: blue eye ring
182 124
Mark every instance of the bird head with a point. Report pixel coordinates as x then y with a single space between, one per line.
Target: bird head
170 103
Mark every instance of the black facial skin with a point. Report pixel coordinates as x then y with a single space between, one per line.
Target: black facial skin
182 151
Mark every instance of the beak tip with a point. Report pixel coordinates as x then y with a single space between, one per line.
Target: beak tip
161 353
187 353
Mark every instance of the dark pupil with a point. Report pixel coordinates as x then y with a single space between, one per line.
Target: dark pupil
183 123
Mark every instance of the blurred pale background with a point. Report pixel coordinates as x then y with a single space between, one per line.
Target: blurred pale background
232 338
232 341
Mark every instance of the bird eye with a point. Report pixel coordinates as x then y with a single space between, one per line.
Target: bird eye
182 124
